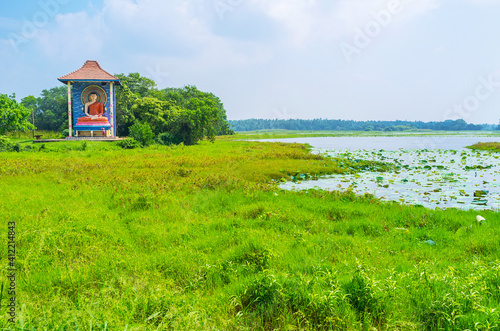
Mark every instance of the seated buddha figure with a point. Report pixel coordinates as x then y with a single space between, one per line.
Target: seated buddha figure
94 109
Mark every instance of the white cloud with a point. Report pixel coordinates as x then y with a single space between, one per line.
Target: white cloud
350 14
75 35
168 41
484 2
310 21
183 24
9 24
289 60
298 17
156 17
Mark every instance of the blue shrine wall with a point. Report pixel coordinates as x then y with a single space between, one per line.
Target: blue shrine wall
79 107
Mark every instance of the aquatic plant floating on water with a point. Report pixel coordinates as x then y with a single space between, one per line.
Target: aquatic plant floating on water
430 178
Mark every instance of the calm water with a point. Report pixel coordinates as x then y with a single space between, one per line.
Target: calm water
436 172
389 143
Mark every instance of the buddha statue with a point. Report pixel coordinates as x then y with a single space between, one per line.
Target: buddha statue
94 119
94 109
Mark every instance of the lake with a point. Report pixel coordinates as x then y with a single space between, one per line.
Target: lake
434 172
390 143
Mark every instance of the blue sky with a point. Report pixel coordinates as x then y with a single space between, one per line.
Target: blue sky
429 60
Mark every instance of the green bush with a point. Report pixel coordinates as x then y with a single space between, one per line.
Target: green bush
129 143
363 297
5 144
65 133
167 138
142 133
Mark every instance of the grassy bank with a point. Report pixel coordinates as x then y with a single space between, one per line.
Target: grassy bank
25 135
202 238
493 146
281 134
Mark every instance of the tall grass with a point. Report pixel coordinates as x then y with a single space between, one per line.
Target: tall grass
202 238
29 134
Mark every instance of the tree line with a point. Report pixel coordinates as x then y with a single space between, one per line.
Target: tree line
181 115
349 125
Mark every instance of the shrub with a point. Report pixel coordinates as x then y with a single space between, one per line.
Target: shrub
363 297
65 133
167 138
129 143
5 144
142 133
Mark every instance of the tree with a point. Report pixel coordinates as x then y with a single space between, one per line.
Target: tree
188 114
190 97
199 114
137 84
51 112
133 87
30 102
326 124
153 111
13 116
124 114
194 116
189 126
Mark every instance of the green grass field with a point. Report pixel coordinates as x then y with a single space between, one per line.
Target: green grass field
494 146
202 238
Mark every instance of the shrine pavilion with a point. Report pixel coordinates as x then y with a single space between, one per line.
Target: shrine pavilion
91 101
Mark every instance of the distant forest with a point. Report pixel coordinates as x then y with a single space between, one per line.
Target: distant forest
346 125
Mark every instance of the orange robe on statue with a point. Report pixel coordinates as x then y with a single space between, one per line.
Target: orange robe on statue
96 109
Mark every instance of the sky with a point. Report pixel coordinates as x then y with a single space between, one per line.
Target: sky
416 60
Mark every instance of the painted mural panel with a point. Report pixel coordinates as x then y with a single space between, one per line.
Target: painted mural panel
91 107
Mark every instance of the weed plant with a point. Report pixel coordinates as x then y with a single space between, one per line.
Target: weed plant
202 238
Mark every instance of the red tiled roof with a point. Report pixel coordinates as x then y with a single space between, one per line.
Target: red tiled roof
91 70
